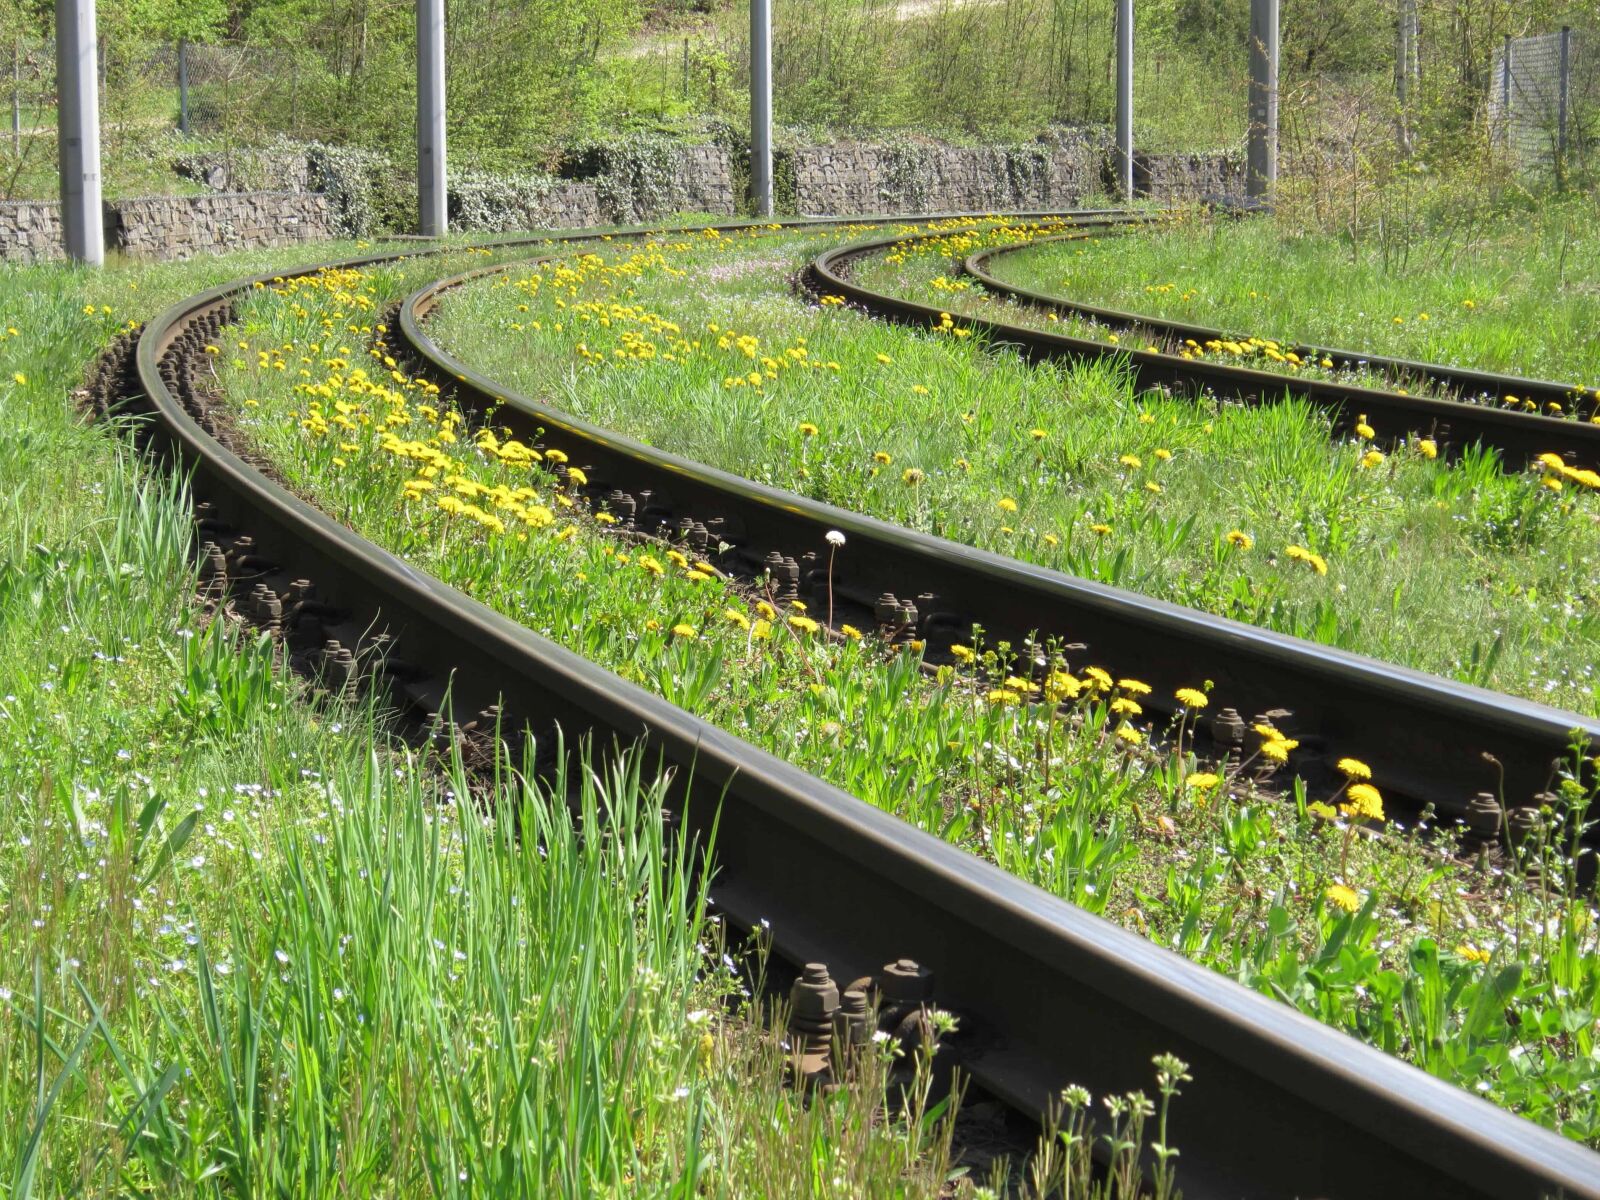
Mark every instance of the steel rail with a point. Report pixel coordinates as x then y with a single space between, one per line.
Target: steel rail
1421 734
1280 1105
1464 382
1453 424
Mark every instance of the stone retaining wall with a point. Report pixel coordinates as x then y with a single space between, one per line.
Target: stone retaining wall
30 231
851 178
628 182
1179 177
172 227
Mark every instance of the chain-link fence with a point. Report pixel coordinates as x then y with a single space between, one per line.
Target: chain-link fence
1544 100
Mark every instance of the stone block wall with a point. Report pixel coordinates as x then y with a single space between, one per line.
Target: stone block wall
846 179
173 227
30 231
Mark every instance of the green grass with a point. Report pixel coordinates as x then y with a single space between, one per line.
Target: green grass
1510 296
248 945
1273 886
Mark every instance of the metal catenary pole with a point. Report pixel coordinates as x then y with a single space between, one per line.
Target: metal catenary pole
761 106
431 194
1125 98
78 117
1261 149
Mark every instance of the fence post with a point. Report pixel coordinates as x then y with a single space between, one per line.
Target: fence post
1261 148
1563 92
1125 98
1505 94
78 117
431 194
1404 33
183 86
761 106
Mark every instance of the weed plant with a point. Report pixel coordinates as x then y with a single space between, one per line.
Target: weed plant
1047 767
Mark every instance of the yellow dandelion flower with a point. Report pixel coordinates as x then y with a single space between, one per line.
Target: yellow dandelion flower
962 654
911 476
1101 529
1428 448
1371 459
1326 811
1164 455
1130 735
1191 697
851 632
1134 687
685 631
1006 504
1202 781
1363 429
804 624
807 429
1061 686
735 617
1126 707
20 378
1354 768
1365 802
1098 679
1342 897
1132 461
1471 953
1038 435
1241 539
766 610
1276 752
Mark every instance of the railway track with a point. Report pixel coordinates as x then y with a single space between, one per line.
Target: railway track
1476 415
1047 994
1409 726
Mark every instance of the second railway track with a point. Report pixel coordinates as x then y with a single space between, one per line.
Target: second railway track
1475 415
1047 993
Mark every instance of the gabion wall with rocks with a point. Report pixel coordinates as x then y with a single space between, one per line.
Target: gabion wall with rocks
852 178
313 193
173 227
30 231
1178 177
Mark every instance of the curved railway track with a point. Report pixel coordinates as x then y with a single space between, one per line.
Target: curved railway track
1480 387
1409 726
1280 1105
1472 417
